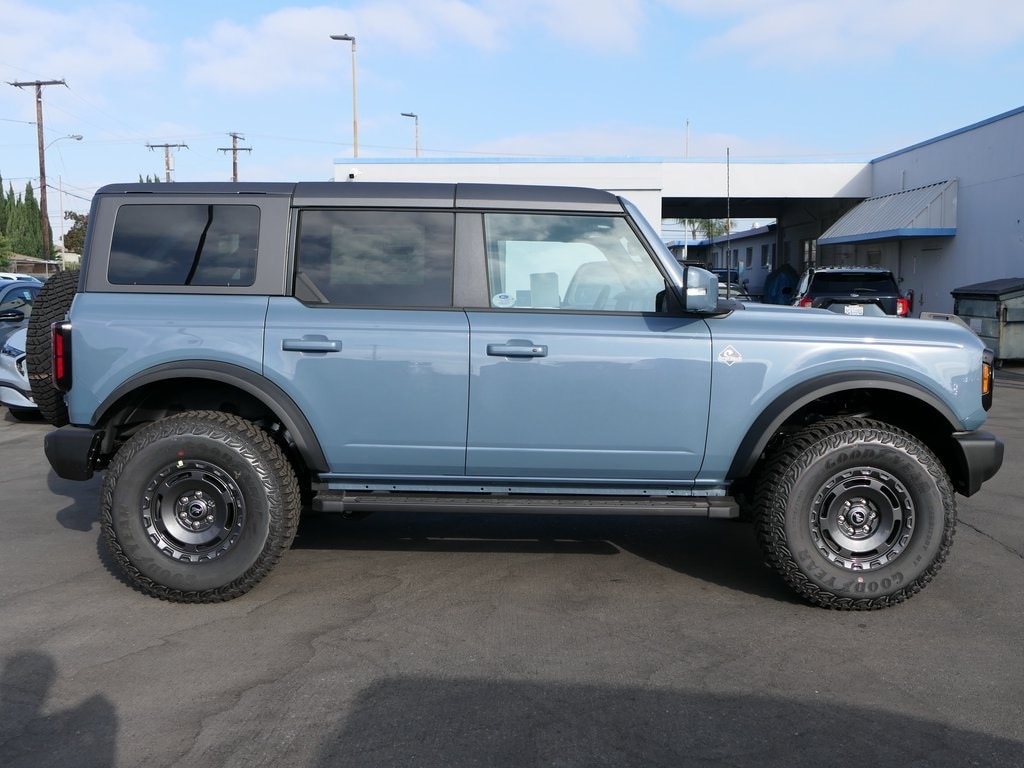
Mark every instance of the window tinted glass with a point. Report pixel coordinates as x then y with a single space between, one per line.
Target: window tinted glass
546 261
377 258
19 297
846 282
184 244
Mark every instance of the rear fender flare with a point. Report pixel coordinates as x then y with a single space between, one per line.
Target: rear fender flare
265 391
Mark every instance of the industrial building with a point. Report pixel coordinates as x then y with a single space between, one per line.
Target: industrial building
944 213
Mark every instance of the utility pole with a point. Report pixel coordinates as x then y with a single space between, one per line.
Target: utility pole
234 149
47 235
167 155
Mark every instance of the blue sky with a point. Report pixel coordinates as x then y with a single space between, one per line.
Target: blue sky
769 80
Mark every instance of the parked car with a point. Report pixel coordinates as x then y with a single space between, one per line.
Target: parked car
733 291
851 291
234 354
15 392
16 299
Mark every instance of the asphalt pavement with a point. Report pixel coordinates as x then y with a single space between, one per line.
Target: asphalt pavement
504 641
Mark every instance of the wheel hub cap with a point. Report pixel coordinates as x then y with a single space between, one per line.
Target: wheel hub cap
862 518
193 511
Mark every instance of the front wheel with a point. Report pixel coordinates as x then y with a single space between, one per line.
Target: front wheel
855 514
199 507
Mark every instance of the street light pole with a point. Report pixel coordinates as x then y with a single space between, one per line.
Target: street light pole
42 196
355 118
415 117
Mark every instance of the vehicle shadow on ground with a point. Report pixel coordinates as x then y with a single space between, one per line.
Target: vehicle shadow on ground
82 513
450 724
33 732
722 552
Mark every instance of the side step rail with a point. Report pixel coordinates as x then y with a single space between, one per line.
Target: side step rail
701 506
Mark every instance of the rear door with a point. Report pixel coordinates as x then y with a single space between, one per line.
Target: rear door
370 347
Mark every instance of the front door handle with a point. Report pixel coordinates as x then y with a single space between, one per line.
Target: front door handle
517 349
311 343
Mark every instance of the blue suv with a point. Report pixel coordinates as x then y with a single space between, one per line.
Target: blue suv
233 354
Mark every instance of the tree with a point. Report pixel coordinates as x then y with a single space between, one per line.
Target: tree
74 239
5 250
708 229
3 208
24 225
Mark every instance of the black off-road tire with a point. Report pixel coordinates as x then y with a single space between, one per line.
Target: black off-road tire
199 507
51 305
855 514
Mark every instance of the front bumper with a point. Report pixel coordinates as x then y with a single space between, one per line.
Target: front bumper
15 397
980 457
72 451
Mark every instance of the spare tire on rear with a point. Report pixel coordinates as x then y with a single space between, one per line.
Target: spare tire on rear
51 306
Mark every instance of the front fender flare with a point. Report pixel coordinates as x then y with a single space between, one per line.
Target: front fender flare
784 406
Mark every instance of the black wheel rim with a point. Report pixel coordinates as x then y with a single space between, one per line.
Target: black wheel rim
193 511
862 519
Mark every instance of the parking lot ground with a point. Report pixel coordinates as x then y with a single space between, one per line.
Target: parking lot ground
504 641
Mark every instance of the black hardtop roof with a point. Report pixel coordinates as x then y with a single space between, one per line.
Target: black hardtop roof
398 194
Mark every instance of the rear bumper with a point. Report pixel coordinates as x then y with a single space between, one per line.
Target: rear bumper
981 456
72 451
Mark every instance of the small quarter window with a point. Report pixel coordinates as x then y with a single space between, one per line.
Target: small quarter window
184 244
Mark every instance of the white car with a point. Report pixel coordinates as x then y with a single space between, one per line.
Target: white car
15 392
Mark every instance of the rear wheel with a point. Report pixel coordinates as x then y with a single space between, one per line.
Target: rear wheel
199 507
855 514
51 306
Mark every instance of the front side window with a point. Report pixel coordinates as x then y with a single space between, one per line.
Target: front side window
568 262
376 258
184 244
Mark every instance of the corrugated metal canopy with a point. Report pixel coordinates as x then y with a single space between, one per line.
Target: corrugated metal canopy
923 212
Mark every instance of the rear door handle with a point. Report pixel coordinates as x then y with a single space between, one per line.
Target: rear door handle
312 343
517 349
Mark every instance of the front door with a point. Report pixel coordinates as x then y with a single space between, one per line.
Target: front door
573 375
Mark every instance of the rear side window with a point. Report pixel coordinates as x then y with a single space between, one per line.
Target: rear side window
184 244
376 258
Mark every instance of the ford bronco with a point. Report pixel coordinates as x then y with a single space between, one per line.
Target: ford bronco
233 354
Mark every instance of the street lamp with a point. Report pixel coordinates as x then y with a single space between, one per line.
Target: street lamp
44 213
72 136
355 119
415 117
47 229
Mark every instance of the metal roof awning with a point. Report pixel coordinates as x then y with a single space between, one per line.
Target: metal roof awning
923 212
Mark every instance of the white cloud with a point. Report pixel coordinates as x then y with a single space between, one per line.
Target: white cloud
803 32
293 46
617 140
82 45
596 24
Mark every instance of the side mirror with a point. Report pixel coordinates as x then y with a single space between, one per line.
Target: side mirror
701 290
